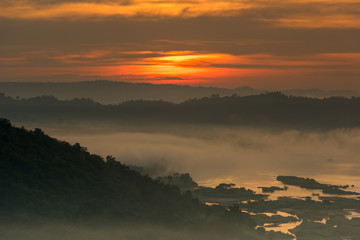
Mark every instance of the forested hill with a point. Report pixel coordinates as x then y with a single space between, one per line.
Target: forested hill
43 177
110 92
269 110
113 92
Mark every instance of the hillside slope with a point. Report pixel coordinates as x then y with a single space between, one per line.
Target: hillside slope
270 110
52 189
113 92
41 176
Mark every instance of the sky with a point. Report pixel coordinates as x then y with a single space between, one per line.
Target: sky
272 44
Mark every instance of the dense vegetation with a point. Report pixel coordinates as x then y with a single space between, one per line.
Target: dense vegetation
273 110
226 191
41 176
111 92
182 180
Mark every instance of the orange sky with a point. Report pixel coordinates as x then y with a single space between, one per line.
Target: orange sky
265 44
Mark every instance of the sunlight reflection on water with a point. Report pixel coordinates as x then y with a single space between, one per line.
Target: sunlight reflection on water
323 221
292 191
282 227
352 214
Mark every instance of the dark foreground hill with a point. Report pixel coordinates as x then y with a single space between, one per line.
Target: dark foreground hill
41 176
270 110
50 189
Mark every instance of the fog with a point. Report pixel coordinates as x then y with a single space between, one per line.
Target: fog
244 156
247 157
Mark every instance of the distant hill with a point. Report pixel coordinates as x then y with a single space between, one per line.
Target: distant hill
270 110
110 92
318 93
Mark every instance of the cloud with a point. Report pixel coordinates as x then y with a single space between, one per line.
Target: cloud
263 42
184 67
293 14
114 63
76 78
81 9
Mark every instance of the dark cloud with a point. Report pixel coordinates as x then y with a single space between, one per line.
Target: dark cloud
77 78
127 34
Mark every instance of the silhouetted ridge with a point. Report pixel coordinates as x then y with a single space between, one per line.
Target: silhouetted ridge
269 110
41 176
110 92
113 92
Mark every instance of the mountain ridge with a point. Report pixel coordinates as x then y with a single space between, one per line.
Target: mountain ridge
269 110
111 92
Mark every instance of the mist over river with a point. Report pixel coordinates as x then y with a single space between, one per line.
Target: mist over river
247 157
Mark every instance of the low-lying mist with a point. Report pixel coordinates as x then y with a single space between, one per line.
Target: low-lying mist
244 156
